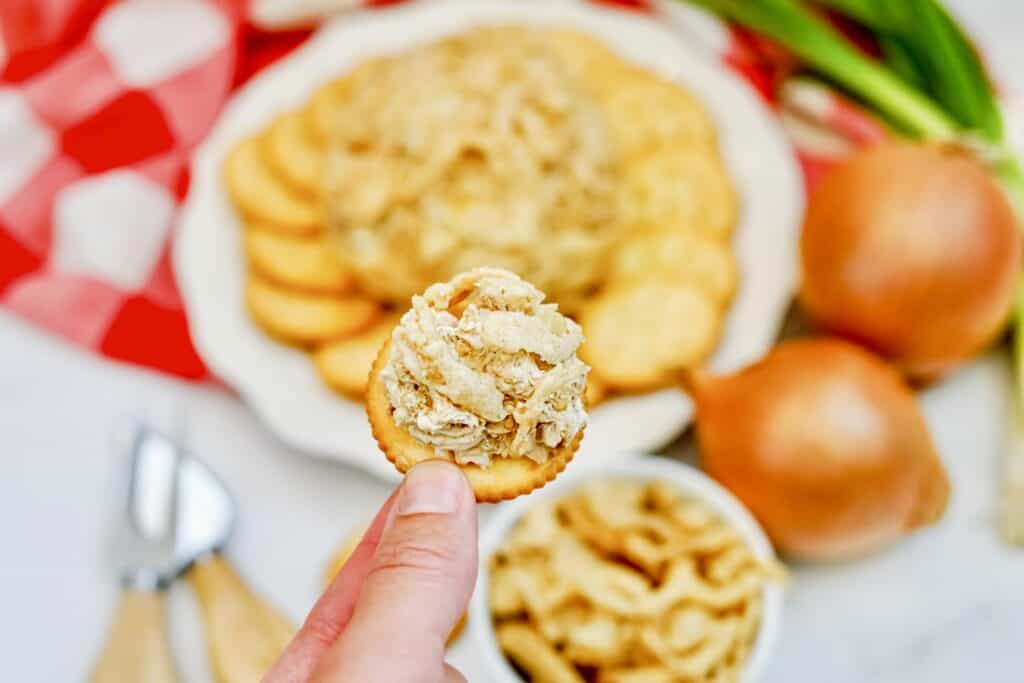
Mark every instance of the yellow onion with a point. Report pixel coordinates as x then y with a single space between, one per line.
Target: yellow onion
825 444
914 252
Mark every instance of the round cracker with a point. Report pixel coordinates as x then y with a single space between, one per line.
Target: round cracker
321 115
639 334
345 364
294 155
322 108
262 196
308 265
503 479
306 319
571 303
687 256
645 112
679 188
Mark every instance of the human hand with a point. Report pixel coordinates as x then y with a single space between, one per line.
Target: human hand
386 615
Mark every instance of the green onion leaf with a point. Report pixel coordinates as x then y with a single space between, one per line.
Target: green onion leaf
861 11
903 61
924 45
814 41
958 78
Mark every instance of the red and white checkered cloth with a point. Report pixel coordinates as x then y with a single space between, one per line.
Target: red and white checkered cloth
101 105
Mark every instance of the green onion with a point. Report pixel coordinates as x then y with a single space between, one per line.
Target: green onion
924 45
957 103
820 46
901 59
862 11
898 56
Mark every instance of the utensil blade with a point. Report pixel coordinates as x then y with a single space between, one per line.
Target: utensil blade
206 512
145 548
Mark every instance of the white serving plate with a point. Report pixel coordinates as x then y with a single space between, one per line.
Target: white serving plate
281 384
689 481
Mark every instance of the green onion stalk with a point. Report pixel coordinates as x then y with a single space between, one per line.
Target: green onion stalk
907 108
930 85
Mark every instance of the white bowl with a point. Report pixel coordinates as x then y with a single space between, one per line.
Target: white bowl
281 384
689 481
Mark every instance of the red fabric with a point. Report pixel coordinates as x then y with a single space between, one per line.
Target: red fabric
137 324
129 129
67 86
260 50
17 260
38 32
101 105
760 73
637 5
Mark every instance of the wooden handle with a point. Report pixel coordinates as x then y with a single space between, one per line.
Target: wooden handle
136 648
244 634
1011 516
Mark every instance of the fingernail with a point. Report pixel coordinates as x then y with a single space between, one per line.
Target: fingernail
432 487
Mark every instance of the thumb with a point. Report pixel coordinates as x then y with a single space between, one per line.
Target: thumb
418 584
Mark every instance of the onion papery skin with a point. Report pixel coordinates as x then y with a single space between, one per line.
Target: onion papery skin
913 251
826 445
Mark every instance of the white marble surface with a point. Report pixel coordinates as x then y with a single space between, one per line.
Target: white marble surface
946 606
